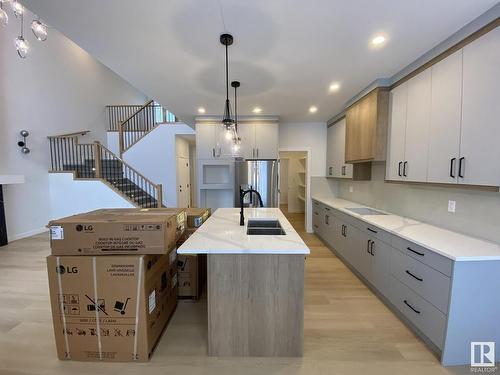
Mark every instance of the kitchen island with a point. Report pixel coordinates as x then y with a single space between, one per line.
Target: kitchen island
255 282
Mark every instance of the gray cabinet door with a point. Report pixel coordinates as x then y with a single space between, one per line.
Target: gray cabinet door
380 265
355 240
398 99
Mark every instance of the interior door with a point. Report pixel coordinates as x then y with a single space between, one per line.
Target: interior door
183 183
445 119
480 137
417 127
398 99
266 141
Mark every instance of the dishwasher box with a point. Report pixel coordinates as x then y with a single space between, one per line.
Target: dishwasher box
180 214
197 216
104 232
192 275
110 308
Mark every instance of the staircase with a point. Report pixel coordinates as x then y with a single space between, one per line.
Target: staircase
134 122
95 161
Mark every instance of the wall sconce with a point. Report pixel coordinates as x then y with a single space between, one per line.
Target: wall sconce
23 143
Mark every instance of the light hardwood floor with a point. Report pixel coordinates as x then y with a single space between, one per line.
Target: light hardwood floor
347 330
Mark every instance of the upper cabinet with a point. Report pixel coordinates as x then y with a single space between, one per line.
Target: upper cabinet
366 128
444 124
258 141
335 150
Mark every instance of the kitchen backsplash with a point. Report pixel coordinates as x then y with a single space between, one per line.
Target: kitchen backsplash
477 212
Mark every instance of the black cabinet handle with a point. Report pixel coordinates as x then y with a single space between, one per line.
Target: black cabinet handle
327 220
330 171
372 230
415 277
416 252
371 248
404 168
326 208
399 168
368 246
411 307
452 164
460 164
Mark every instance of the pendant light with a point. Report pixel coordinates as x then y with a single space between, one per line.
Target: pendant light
17 8
4 18
227 120
22 44
236 137
39 30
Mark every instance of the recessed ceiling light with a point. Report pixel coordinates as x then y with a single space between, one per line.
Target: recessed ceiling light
201 110
335 86
378 40
313 109
257 110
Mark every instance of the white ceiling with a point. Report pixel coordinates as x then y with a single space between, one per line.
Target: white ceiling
286 52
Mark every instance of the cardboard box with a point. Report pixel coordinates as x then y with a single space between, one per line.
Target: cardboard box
197 216
104 232
191 271
180 213
110 308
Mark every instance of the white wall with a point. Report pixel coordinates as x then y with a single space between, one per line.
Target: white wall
154 156
69 197
58 89
310 136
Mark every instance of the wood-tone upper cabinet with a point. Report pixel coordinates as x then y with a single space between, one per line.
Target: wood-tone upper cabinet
335 149
366 128
480 132
445 119
417 127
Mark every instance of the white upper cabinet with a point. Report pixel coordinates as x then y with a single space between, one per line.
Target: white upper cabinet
446 104
247 135
266 141
398 98
206 145
444 124
417 127
335 163
480 136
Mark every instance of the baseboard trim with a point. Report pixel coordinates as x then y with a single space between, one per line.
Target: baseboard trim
27 234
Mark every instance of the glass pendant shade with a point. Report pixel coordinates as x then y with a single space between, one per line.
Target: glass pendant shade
22 47
39 30
17 8
4 18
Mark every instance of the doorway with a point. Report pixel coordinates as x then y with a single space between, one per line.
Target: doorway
294 177
184 147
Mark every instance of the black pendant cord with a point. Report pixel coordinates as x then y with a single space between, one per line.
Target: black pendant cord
22 25
235 111
227 75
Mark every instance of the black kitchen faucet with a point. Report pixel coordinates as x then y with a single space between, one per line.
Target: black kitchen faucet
242 196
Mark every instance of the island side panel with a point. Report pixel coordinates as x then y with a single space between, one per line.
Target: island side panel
255 305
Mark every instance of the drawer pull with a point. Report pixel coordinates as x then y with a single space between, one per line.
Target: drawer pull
416 252
372 230
316 213
415 277
315 226
326 208
411 307
368 246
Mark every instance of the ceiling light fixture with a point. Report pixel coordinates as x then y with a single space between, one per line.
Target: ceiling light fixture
378 41
227 120
257 110
21 44
334 87
313 109
201 110
17 8
4 18
39 30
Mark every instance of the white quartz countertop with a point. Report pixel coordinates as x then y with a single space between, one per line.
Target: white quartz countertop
453 245
222 234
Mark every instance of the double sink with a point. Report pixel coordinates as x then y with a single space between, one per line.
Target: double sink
265 227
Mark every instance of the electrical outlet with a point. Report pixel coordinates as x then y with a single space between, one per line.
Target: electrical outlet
451 206
351 189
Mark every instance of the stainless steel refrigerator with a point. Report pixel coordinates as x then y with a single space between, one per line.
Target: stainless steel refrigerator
260 175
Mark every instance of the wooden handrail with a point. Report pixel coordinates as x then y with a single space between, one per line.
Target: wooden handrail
123 105
69 135
126 164
136 112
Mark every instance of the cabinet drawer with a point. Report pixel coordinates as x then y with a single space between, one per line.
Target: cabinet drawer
436 261
425 316
377 233
430 284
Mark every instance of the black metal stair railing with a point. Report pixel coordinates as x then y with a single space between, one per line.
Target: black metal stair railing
93 160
